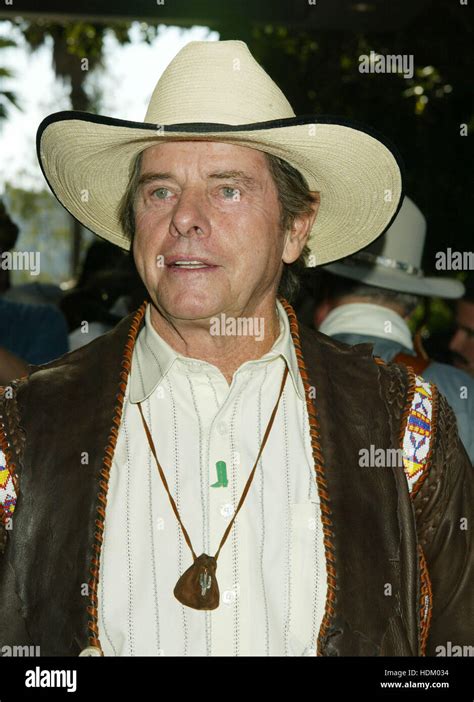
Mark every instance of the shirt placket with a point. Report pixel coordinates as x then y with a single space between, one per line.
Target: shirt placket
225 488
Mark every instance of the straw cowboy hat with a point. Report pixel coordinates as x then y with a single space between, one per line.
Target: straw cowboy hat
394 260
218 91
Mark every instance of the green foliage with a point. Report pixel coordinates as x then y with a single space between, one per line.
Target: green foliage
319 73
6 96
439 317
72 43
44 226
6 43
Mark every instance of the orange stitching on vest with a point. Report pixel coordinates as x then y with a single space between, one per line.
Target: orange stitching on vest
409 399
426 602
105 473
320 480
109 453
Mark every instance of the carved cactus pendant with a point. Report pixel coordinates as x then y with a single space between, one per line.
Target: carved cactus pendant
197 587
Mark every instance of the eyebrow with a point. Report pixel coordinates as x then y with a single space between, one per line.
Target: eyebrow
148 177
235 175
239 176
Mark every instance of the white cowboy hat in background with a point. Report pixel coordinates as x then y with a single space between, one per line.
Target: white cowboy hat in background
218 91
394 260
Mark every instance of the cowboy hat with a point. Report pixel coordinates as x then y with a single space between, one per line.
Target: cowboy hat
218 91
394 260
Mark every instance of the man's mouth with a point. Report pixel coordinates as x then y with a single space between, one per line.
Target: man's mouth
188 263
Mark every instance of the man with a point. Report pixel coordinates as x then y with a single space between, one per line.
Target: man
191 480
462 342
371 296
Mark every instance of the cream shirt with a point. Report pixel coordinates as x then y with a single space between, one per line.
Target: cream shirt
271 570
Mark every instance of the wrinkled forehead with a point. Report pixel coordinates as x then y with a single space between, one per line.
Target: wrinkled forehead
195 151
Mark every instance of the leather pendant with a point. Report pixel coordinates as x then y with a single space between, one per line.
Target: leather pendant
197 587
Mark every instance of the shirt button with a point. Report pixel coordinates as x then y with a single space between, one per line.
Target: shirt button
91 651
222 428
228 597
227 510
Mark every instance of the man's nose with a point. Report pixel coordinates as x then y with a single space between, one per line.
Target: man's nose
189 217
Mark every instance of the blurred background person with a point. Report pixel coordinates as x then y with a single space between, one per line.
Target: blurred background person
32 333
8 236
462 341
107 289
372 296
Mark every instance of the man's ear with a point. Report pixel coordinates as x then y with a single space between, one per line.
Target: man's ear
297 235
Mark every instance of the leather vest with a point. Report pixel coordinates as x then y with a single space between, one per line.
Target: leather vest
60 429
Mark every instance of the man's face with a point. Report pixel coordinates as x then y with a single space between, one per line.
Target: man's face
462 342
215 203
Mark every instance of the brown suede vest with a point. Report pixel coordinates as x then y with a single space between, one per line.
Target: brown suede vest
60 430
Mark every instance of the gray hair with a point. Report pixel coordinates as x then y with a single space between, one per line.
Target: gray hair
295 199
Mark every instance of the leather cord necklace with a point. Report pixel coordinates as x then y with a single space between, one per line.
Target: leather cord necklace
197 587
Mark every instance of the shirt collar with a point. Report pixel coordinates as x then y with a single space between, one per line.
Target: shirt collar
153 357
367 319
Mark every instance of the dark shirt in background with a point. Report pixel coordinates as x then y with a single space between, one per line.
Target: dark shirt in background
36 333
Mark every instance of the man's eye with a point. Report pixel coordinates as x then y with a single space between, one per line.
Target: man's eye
231 193
160 193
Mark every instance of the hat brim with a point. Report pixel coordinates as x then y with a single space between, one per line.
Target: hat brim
393 279
86 160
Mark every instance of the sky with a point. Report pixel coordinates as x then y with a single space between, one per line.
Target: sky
126 82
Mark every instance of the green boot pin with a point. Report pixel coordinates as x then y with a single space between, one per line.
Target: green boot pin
221 475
